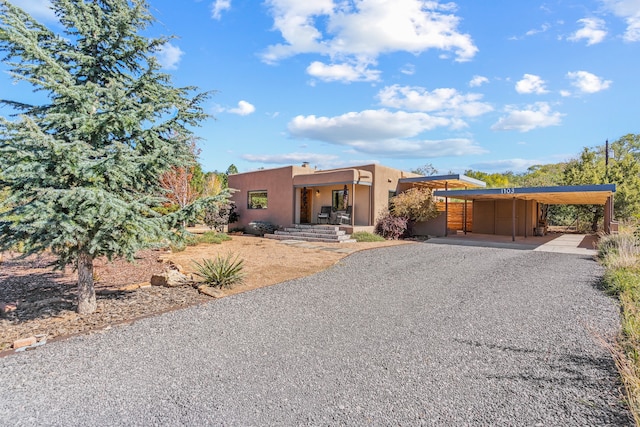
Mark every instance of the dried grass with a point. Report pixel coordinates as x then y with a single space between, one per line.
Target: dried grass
620 254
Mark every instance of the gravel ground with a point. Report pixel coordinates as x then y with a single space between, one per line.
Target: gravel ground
409 335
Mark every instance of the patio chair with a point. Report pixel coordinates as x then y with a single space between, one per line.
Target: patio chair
344 217
324 215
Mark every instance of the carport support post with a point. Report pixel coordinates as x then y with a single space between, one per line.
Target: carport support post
446 210
513 220
353 206
464 216
526 224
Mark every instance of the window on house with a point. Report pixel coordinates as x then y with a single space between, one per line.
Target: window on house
257 199
392 194
338 200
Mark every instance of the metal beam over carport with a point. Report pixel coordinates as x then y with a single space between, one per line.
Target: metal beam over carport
597 194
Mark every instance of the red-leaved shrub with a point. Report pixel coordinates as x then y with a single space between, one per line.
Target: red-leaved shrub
391 227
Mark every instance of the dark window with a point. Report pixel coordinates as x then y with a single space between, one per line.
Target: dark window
337 200
257 199
392 194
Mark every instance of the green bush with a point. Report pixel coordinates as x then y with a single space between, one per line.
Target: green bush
221 272
209 237
363 236
212 237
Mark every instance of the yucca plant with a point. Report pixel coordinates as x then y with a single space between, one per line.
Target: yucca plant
222 271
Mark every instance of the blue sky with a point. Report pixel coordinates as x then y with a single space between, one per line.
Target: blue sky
490 86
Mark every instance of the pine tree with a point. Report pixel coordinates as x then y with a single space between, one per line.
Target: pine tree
83 168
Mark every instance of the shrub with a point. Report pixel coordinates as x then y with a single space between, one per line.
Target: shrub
219 214
391 227
212 237
416 204
180 243
620 250
261 228
222 271
363 236
619 254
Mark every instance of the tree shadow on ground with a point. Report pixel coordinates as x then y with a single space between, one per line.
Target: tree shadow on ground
594 376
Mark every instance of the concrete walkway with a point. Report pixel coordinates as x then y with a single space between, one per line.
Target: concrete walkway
577 244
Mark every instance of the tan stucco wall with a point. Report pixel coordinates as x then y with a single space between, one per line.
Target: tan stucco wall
279 186
385 179
284 199
433 227
495 217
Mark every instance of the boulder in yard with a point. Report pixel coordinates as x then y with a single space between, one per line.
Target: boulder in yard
170 278
210 291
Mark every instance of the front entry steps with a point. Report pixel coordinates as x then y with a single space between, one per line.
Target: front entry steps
312 233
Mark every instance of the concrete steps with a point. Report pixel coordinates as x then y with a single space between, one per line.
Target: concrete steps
312 233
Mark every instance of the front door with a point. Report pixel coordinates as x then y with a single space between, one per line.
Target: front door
305 205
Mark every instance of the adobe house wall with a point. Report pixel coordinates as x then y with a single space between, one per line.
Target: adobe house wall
280 195
385 179
495 217
283 198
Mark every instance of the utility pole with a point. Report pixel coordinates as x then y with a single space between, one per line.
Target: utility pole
606 161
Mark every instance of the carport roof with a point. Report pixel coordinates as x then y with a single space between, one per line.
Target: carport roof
561 195
444 181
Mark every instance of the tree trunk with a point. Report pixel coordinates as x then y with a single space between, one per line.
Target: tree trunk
86 291
594 221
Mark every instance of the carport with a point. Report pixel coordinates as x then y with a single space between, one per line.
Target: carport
491 206
445 182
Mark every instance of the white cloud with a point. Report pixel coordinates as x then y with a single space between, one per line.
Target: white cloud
39 9
531 83
408 69
565 93
218 6
587 82
592 30
169 56
543 28
358 32
442 102
513 165
244 109
292 158
342 72
538 115
383 133
478 81
629 10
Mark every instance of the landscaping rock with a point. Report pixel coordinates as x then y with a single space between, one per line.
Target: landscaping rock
210 291
6 308
134 286
176 267
24 342
170 278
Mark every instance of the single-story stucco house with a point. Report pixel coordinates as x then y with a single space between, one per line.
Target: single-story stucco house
296 194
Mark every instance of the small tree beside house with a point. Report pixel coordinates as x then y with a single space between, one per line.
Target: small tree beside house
83 167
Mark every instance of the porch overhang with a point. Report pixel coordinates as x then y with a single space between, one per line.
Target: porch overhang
336 177
560 195
442 181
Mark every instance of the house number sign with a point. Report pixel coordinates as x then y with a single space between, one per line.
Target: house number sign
508 190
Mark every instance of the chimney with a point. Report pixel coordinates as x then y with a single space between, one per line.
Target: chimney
305 164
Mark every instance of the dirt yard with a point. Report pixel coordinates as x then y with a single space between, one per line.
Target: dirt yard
44 300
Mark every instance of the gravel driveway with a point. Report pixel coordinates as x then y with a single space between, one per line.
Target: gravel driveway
407 335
